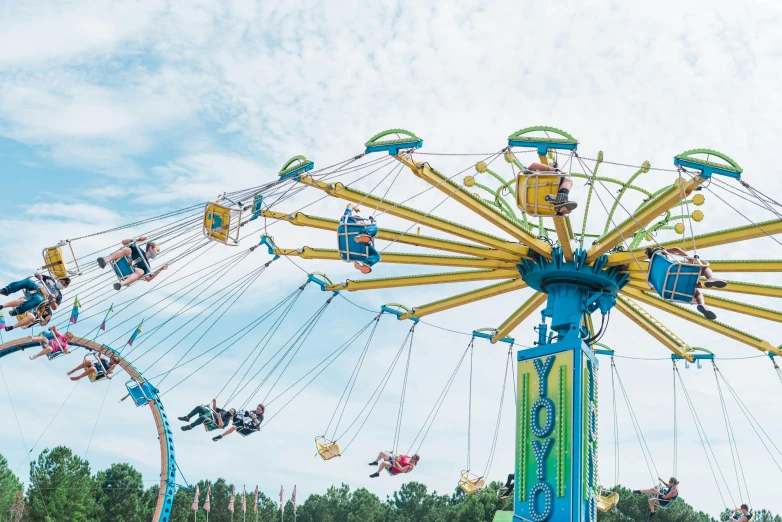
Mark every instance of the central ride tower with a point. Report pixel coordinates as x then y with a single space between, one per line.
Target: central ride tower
556 418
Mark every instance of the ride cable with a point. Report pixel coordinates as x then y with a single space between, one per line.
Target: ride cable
432 415
348 391
375 396
233 338
647 454
734 449
707 449
398 431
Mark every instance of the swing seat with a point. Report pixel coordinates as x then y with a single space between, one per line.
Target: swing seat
327 449
675 278
124 267
533 190
246 432
471 483
349 249
222 223
606 500
142 393
56 264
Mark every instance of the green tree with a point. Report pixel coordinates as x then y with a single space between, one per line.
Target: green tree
61 488
413 503
9 487
120 494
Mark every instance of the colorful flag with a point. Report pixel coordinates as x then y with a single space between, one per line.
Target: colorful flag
194 507
244 499
2 320
231 503
282 502
103 324
255 507
75 310
207 504
135 334
293 499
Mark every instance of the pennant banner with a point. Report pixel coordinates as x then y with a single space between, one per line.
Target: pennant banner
293 499
207 503
244 499
103 324
231 503
255 507
75 310
136 333
282 502
194 507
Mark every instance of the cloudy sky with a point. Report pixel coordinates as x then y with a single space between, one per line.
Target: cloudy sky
111 112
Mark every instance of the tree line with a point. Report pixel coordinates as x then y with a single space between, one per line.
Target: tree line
62 488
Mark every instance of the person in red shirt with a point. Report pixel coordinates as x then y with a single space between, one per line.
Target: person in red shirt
395 464
52 342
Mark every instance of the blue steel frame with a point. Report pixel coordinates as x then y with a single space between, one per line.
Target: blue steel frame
143 394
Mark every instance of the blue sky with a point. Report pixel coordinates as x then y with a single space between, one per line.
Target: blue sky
114 111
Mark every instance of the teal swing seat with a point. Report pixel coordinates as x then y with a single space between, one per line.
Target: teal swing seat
673 277
125 266
349 249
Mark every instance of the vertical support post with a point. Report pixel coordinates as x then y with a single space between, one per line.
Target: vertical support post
556 459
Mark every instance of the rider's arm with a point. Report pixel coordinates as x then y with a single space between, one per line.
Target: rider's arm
156 273
678 251
214 404
219 420
672 493
54 330
53 305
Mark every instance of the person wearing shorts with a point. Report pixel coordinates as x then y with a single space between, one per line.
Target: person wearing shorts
394 464
52 342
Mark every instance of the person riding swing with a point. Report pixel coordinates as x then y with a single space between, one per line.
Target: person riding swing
506 491
42 294
139 267
742 514
53 343
96 370
561 203
245 422
214 417
663 496
705 271
394 464
367 230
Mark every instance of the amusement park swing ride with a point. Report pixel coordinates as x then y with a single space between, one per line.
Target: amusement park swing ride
575 270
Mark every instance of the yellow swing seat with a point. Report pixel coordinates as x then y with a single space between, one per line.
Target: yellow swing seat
222 222
606 500
533 190
471 483
327 449
56 264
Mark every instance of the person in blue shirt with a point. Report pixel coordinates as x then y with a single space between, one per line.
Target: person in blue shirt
366 236
42 294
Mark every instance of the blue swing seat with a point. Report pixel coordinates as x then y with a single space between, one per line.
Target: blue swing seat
349 248
675 278
142 393
125 266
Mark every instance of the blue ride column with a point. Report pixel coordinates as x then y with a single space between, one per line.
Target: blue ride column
556 421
